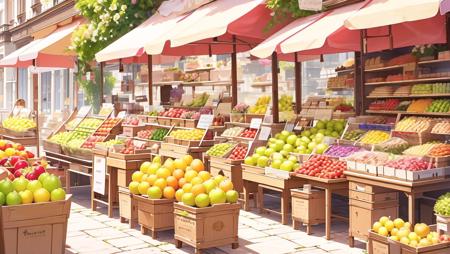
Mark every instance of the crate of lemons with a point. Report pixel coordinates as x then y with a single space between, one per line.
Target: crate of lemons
23 191
184 180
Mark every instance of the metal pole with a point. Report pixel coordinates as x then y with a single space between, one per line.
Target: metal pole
150 79
275 113
234 93
298 85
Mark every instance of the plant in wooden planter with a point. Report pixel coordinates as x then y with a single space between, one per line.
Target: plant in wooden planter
442 210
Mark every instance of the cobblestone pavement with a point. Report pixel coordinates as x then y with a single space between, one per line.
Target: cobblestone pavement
96 233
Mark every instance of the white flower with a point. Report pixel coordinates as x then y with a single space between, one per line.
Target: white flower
414 50
123 7
116 17
100 1
422 50
97 8
113 7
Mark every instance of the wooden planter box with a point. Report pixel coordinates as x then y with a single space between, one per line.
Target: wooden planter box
35 228
308 208
127 207
207 227
378 244
154 214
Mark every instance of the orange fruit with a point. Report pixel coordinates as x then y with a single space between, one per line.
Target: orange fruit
169 192
137 176
161 183
181 182
151 179
169 164
198 189
189 175
163 173
188 159
204 175
196 180
197 165
226 185
180 164
172 181
179 194
187 188
178 173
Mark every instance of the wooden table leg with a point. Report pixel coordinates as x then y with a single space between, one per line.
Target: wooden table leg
285 200
246 189
93 203
411 208
327 213
260 199
112 181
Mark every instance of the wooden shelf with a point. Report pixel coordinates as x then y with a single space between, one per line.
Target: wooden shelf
395 112
405 82
433 61
411 96
345 71
386 68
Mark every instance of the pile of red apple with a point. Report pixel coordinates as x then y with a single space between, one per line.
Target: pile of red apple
107 126
389 104
173 112
144 134
219 121
90 142
238 153
323 167
131 121
411 164
248 133
18 166
129 147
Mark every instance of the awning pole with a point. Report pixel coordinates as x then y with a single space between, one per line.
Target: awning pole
234 93
101 82
275 70
447 26
298 85
359 77
150 79
35 78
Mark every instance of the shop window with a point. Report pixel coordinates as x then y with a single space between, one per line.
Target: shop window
58 95
23 84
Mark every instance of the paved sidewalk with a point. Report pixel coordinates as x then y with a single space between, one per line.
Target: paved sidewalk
94 233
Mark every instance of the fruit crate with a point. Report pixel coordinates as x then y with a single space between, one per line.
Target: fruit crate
79 153
190 123
162 120
414 138
131 130
143 154
378 244
127 207
177 122
171 147
206 227
249 117
233 172
307 208
24 134
154 214
35 228
51 146
253 169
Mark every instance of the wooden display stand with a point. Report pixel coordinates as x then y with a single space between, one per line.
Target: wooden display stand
232 171
413 190
35 228
154 214
307 208
207 227
127 207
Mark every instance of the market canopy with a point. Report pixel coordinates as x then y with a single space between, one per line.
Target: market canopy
50 51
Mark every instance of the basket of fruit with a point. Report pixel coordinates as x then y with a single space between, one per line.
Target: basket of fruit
220 151
190 137
51 146
19 126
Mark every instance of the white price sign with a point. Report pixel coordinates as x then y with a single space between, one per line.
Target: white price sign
205 121
255 123
310 5
122 114
99 174
264 133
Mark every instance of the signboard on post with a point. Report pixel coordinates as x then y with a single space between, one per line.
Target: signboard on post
99 174
264 133
84 111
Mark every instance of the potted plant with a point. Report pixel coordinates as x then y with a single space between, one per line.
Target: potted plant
442 211
424 52
237 113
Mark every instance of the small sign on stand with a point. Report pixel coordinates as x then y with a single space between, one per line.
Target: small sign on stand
264 133
99 174
255 123
205 121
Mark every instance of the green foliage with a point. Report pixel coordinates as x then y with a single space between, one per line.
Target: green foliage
92 91
108 20
285 9
442 206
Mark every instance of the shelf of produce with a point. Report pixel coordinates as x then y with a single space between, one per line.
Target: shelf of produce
385 68
394 112
345 71
407 82
411 96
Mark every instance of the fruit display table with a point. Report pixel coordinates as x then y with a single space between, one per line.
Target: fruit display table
413 190
28 138
256 183
331 186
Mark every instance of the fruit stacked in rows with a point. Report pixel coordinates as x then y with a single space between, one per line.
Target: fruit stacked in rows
353 135
90 124
19 124
420 105
106 127
238 153
144 134
220 150
233 132
330 128
440 150
261 105
393 145
400 231
130 147
323 167
286 112
420 150
173 112
441 106
23 191
248 133
131 121
413 124
389 104
91 141
410 164
422 89
441 128
374 137
195 134
159 134
371 158
341 151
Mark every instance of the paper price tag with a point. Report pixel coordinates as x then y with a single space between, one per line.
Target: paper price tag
84 111
255 123
99 174
264 133
122 114
205 121
310 5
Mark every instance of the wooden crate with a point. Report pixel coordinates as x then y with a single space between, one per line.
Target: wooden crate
233 172
361 219
51 146
249 117
164 121
136 156
378 244
127 207
190 123
154 214
207 227
124 177
308 208
131 130
34 228
368 197
177 122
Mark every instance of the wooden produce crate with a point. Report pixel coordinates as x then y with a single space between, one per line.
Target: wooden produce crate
232 171
139 155
132 130
177 122
127 207
162 120
378 244
207 227
35 228
443 224
253 169
307 208
249 117
154 214
51 146
152 119
190 123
